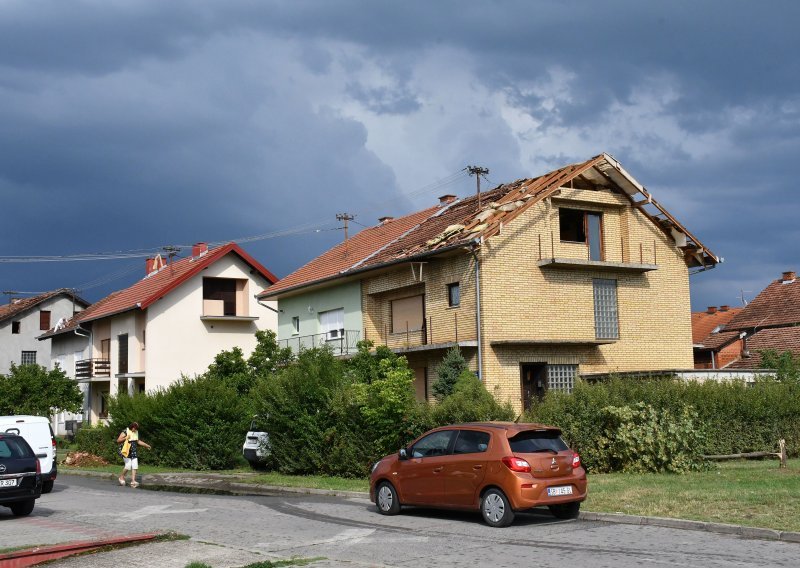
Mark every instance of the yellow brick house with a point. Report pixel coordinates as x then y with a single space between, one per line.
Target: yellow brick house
538 281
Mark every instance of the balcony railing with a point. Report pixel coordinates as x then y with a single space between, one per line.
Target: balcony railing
448 328
90 368
345 345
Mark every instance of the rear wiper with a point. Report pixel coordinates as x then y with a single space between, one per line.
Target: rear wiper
544 450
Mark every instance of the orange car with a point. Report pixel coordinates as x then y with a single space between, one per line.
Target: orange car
497 467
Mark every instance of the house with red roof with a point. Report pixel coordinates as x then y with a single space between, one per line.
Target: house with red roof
171 323
715 347
537 281
24 319
771 321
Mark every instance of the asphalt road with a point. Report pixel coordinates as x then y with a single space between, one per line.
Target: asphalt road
234 531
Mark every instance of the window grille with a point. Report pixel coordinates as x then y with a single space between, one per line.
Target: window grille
28 358
561 377
606 320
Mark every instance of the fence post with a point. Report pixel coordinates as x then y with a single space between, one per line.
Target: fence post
782 446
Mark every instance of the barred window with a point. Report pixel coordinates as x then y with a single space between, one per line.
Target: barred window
606 320
561 377
28 358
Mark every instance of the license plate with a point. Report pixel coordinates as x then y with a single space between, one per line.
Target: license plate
557 491
8 482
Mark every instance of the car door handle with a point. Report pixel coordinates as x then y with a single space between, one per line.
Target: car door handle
477 466
438 469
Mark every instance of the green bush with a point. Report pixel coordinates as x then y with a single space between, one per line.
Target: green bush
735 417
196 423
99 441
640 439
469 402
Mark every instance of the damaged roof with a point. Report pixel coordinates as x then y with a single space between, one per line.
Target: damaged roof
462 223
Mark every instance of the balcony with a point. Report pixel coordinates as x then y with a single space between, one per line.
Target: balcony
92 368
345 345
439 332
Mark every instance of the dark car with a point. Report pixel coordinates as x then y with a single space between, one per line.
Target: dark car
20 475
498 468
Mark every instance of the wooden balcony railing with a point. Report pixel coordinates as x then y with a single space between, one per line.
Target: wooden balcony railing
91 368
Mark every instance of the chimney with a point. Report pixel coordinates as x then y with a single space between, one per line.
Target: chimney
445 199
384 220
199 249
724 308
149 265
789 276
711 310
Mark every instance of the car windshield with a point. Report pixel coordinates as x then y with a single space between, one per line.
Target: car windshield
14 448
533 441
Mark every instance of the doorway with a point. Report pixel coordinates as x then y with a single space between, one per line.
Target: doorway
533 380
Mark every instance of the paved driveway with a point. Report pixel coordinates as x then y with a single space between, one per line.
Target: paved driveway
232 531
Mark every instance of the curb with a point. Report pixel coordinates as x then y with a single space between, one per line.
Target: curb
684 524
220 483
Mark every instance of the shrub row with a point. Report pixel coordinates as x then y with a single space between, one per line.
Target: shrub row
715 418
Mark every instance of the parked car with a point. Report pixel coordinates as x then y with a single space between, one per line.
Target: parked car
499 468
39 434
256 445
20 475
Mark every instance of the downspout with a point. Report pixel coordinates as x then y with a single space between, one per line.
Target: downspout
713 360
475 243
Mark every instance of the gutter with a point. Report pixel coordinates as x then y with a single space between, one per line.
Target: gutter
476 243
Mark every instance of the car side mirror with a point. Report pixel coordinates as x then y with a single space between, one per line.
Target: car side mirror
403 454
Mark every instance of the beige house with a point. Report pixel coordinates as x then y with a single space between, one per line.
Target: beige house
575 272
171 323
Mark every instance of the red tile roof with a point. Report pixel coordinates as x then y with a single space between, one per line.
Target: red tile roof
350 254
703 323
464 222
777 304
18 306
157 284
779 339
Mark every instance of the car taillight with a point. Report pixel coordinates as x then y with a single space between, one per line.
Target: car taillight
517 464
38 467
576 461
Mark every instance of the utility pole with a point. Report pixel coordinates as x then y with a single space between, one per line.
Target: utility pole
478 171
345 217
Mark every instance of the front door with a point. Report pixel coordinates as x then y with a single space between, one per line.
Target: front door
534 383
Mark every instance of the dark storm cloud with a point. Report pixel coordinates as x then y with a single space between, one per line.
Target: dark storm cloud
132 124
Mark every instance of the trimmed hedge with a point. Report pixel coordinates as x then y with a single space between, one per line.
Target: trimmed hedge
733 417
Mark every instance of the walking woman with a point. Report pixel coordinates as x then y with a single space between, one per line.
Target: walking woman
130 438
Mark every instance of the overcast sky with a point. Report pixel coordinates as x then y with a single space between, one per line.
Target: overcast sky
128 125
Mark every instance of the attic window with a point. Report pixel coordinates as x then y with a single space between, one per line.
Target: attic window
224 297
577 226
15 327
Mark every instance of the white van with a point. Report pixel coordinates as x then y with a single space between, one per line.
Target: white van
37 432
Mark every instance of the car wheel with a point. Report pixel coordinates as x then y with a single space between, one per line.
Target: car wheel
22 508
566 511
47 486
496 509
386 499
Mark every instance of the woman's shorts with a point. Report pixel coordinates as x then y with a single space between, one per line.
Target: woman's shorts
131 463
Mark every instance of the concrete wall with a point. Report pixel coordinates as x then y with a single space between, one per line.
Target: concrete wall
307 307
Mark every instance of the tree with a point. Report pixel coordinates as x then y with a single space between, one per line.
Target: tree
32 389
267 357
448 372
786 365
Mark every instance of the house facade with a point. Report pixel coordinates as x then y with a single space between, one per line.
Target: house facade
170 324
576 272
715 347
22 320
